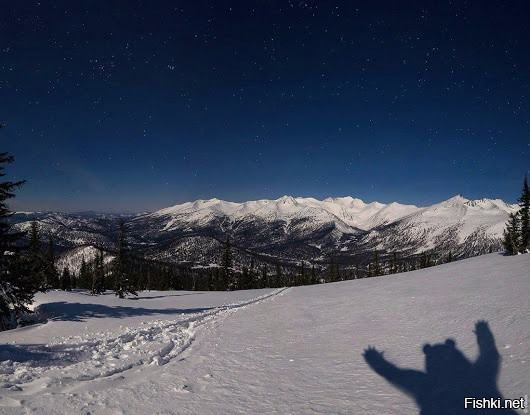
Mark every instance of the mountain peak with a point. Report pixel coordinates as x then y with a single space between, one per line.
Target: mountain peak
456 200
287 200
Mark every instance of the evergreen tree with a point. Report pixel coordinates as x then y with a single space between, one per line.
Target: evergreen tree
511 235
264 276
98 274
351 275
425 260
227 271
34 238
16 286
66 280
253 275
216 279
51 272
36 258
331 272
301 275
524 217
357 272
314 278
394 265
278 276
123 283
338 273
450 257
376 269
245 281
85 275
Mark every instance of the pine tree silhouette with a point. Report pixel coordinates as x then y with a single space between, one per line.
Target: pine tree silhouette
16 287
524 217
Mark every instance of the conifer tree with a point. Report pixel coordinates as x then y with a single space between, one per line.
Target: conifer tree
34 237
85 275
264 276
51 272
253 275
377 266
227 271
98 274
524 217
511 240
244 281
16 286
66 281
423 260
123 283
314 278
351 275
216 279
36 258
301 275
278 276
450 257
394 266
331 272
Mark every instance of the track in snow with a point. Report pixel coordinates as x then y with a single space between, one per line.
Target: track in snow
55 366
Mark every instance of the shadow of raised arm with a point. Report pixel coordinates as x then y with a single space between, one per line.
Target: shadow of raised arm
408 380
487 363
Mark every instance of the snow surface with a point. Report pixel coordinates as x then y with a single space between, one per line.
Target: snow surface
286 351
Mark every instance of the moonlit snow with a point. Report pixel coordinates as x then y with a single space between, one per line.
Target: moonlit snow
286 351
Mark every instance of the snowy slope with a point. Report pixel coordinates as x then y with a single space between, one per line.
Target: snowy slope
296 351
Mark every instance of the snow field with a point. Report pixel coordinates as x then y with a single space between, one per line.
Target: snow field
296 351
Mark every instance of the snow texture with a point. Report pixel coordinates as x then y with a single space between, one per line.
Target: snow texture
288 351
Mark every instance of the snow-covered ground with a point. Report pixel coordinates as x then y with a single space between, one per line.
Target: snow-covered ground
287 351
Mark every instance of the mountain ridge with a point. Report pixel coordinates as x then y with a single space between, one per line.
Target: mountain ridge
289 229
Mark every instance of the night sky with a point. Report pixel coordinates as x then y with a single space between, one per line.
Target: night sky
138 105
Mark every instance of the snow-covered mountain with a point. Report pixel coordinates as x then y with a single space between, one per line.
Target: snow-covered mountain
348 213
291 229
465 227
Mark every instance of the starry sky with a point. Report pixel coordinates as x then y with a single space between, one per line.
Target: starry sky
129 106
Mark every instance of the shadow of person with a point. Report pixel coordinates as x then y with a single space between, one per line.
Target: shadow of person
449 376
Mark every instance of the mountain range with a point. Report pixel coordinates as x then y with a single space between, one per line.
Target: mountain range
286 230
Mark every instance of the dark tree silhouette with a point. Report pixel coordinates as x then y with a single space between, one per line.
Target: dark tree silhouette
511 240
123 284
51 272
449 377
524 213
16 286
66 280
227 271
